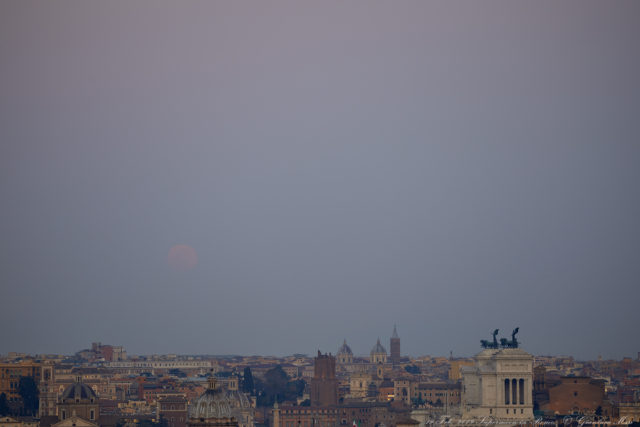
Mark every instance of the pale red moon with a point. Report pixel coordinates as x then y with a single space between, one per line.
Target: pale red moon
182 257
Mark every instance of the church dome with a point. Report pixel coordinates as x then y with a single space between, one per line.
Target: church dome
78 391
217 403
238 400
378 348
344 349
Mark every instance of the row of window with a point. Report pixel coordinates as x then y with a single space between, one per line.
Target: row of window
312 423
92 414
306 411
362 411
514 411
437 394
513 391
174 408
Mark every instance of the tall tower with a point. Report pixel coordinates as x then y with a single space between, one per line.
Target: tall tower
48 393
395 346
324 385
276 414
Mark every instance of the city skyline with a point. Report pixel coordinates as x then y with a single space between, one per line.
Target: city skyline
272 178
357 353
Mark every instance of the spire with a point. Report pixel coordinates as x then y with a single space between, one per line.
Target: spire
395 332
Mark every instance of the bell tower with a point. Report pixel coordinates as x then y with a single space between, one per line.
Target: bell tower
395 346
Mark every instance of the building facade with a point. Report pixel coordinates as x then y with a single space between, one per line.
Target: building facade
304 416
344 355
378 354
79 401
499 385
173 409
10 374
578 395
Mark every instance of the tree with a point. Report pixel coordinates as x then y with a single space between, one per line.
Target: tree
418 401
276 379
276 384
293 390
28 391
4 407
412 369
247 381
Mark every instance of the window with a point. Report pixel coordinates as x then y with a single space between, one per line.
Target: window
92 415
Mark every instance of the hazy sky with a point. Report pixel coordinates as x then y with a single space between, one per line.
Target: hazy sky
451 167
